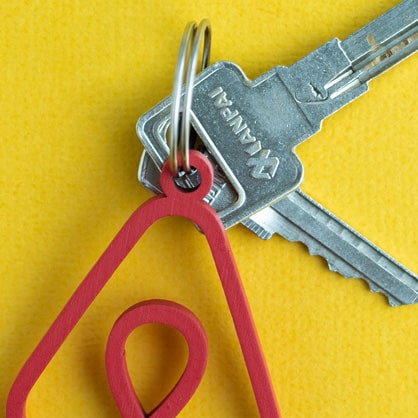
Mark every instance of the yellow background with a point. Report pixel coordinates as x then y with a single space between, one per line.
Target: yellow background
74 78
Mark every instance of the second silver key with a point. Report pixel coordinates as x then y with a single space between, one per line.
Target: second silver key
298 217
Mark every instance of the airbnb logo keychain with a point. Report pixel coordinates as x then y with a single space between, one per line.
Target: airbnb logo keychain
187 203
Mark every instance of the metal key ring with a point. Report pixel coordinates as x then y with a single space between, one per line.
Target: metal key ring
190 42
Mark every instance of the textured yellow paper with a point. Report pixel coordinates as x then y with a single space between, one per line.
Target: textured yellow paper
74 78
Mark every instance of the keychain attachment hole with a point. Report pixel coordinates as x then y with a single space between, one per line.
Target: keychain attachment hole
194 185
187 182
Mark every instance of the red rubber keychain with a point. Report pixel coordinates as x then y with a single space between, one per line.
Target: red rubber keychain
175 202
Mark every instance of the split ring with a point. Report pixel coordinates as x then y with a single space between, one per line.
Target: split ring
181 109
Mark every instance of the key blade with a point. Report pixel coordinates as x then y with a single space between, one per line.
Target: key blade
339 71
378 46
298 217
393 35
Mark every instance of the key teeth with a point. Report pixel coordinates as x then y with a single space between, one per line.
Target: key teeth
298 218
373 288
393 302
345 271
376 289
357 275
257 229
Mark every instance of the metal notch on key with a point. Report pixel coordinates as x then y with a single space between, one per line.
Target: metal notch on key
251 128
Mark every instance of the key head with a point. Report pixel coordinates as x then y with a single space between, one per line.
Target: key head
250 129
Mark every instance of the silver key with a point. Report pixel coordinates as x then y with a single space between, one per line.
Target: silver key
251 128
297 217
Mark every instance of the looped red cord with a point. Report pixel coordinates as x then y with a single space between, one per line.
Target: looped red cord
175 203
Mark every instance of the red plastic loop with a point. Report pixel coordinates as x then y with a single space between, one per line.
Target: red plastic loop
201 164
161 312
176 203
